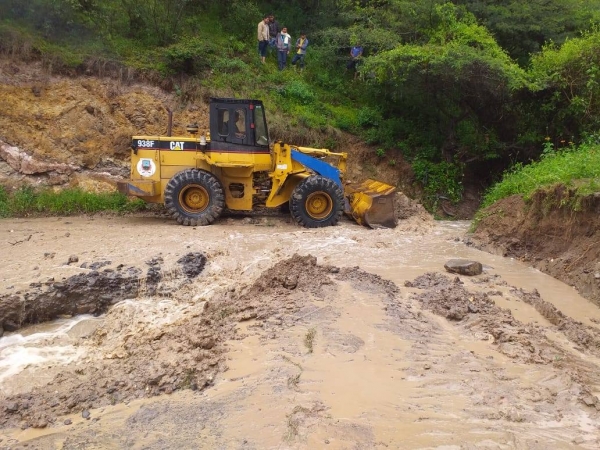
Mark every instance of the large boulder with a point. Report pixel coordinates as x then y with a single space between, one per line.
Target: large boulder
464 267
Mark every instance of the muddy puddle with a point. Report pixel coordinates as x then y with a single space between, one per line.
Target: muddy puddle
356 346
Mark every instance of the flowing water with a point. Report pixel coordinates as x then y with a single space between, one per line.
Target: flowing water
365 379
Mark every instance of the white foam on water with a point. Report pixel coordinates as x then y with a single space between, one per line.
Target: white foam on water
320 244
22 350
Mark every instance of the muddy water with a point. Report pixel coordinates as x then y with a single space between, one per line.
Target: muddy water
47 346
368 380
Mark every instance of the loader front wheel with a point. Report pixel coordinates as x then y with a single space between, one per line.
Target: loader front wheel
194 197
317 202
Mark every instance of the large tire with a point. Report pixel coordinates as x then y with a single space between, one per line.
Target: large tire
194 197
317 202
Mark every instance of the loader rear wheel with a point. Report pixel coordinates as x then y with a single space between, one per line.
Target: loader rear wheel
317 202
194 197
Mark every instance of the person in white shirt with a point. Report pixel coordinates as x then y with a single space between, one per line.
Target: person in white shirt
284 41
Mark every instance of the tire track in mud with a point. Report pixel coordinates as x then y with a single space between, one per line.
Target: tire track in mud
538 380
437 361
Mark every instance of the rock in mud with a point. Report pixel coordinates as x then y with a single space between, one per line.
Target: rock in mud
12 407
192 264
590 400
464 267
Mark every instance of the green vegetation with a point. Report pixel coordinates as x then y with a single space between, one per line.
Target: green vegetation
449 85
556 167
26 201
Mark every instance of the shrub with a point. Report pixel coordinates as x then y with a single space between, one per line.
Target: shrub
190 56
440 179
368 117
299 92
564 166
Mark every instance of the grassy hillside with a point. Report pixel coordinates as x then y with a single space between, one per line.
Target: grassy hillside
575 167
454 88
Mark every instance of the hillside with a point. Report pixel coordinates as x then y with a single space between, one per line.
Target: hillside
460 91
76 131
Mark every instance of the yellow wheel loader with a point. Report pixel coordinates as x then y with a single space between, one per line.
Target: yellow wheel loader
235 166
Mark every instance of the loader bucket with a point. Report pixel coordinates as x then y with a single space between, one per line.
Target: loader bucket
371 203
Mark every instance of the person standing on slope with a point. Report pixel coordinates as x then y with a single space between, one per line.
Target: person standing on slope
273 31
283 47
301 45
263 38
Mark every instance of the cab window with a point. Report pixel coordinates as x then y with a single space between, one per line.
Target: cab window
260 135
223 122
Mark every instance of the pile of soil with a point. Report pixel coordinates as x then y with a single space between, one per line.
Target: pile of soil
551 232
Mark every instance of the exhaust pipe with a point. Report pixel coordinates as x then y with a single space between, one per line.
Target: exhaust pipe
170 126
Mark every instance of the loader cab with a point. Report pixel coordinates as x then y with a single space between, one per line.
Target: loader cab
238 126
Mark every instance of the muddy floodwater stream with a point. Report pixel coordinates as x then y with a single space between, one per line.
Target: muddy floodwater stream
370 344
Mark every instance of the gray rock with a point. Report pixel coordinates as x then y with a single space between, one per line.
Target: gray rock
68 422
73 259
464 267
590 400
85 414
11 407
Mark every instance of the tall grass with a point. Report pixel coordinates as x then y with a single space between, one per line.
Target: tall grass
26 201
577 166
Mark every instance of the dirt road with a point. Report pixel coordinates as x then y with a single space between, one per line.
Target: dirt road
342 338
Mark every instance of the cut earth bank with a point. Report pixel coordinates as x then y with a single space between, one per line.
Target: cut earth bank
76 131
290 338
556 231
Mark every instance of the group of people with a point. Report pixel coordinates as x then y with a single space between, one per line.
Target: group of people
270 34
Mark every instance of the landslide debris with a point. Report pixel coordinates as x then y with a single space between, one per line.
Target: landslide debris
129 358
89 293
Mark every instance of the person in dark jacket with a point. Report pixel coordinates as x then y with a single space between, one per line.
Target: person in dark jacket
274 30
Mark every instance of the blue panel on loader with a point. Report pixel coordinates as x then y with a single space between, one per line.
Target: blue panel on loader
320 167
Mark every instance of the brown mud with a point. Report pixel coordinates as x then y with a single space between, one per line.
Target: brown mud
90 293
282 341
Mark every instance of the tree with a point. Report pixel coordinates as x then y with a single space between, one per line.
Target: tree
567 98
458 82
523 27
